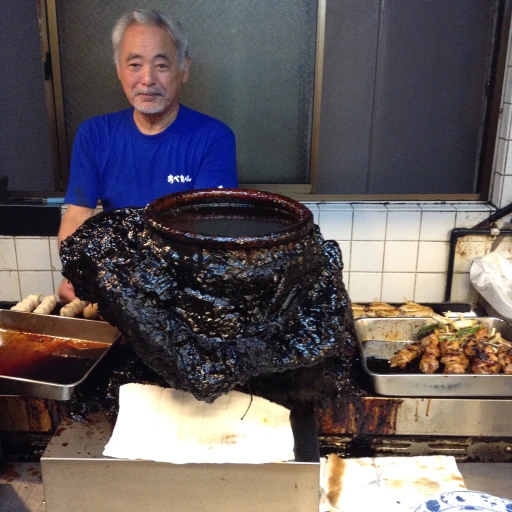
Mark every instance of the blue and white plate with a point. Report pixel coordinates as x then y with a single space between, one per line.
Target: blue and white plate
465 500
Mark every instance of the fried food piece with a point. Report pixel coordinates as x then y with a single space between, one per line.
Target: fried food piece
91 311
413 310
409 353
358 311
430 360
28 304
453 357
47 305
505 358
379 306
486 359
74 308
383 310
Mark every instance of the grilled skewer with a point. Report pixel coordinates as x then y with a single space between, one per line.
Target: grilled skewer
486 359
430 360
453 357
505 358
409 353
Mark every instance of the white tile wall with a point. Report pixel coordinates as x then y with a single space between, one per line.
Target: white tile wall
336 222
33 253
403 225
9 285
398 287
436 225
365 286
367 256
430 287
35 282
369 224
400 256
432 257
7 253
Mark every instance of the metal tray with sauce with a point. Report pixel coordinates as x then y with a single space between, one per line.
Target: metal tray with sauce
49 356
380 338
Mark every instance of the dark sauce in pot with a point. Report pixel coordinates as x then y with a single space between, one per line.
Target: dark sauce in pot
46 358
227 220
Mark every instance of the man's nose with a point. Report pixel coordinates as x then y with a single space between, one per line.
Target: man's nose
148 75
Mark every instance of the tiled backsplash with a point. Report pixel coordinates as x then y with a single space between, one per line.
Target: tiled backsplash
391 252
394 252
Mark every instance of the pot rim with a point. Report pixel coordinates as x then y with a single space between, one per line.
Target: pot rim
303 225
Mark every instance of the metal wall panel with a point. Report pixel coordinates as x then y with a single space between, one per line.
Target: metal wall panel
404 102
351 33
430 95
252 67
25 154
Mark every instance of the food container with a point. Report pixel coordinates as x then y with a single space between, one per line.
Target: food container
49 356
380 338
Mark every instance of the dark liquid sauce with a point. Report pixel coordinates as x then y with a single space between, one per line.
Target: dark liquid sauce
227 220
46 358
382 367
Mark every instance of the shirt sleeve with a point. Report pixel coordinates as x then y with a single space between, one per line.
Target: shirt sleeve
83 186
218 167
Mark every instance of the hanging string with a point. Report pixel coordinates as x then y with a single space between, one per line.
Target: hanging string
250 403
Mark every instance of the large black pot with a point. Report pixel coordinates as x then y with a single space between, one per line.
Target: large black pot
207 303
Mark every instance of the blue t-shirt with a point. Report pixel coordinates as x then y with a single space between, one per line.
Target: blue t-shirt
113 161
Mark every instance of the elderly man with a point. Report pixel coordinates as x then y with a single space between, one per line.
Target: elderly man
159 146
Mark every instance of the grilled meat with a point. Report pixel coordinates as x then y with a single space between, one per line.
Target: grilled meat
430 360
453 357
505 358
486 359
409 353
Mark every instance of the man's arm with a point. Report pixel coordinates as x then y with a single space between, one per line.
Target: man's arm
72 219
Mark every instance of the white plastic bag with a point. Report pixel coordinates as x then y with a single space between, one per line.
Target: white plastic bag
491 276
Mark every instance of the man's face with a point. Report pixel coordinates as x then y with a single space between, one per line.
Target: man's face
149 70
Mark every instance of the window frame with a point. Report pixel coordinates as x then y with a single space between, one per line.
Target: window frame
304 192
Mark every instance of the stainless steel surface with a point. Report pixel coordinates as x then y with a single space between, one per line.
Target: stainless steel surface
51 325
490 478
76 477
463 449
395 331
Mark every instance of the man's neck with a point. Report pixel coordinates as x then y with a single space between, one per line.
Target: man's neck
151 124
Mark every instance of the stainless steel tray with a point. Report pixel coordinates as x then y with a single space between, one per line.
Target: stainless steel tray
380 338
91 331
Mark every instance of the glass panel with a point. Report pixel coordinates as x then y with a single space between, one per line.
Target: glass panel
252 67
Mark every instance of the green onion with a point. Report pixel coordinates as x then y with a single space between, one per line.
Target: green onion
426 330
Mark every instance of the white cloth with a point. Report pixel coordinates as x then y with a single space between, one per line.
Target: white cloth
167 425
386 484
491 276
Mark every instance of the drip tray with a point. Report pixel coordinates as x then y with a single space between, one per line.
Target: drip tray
75 471
49 356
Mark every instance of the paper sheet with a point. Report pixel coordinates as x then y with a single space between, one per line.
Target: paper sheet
167 425
386 484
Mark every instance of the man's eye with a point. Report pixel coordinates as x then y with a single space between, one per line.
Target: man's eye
162 66
134 65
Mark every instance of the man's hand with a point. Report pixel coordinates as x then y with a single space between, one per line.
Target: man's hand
74 217
66 291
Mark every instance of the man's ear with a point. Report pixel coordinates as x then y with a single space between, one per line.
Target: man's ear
118 71
186 70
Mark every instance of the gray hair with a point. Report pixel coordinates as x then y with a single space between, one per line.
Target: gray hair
150 17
